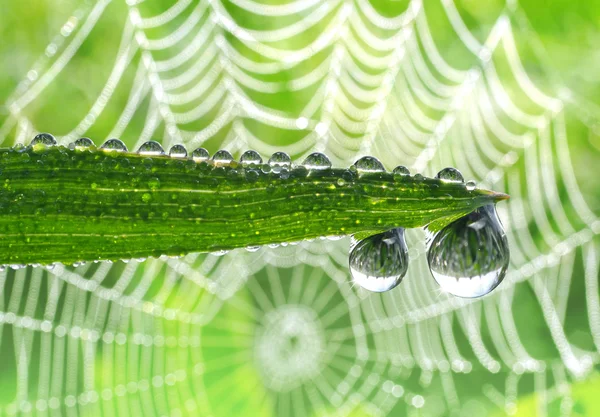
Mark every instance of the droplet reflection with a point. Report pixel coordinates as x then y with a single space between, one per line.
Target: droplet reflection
469 257
379 262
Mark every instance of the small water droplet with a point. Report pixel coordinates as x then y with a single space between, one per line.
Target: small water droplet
200 154
401 171
114 145
43 139
450 175
178 151
252 248
220 252
154 184
379 262
341 182
317 161
250 157
469 257
280 159
222 157
471 185
284 174
82 143
368 164
151 148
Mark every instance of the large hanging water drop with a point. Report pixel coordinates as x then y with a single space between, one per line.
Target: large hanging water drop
450 175
114 145
469 257
317 161
368 165
250 157
151 148
379 262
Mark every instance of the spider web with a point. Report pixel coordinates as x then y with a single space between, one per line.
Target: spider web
280 331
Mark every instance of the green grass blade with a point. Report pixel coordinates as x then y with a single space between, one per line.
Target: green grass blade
63 205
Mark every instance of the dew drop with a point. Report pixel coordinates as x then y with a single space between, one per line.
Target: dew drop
317 161
379 262
154 184
178 151
368 164
250 157
82 143
401 171
469 257
471 185
252 248
222 157
43 139
151 148
450 175
114 145
200 154
280 159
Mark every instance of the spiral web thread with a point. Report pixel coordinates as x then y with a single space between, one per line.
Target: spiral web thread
280 331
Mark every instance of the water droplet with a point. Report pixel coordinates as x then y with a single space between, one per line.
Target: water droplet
317 161
178 151
280 159
471 185
43 139
450 175
469 257
368 164
154 184
200 154
82 143
284 174
401 170
151 148
114 145
252 248
379 262
250 157
222 157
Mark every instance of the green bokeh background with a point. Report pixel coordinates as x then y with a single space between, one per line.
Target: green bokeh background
558 46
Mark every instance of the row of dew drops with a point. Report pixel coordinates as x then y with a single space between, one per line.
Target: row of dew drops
468 258
279 162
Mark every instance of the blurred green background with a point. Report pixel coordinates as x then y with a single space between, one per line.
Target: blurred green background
507 92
